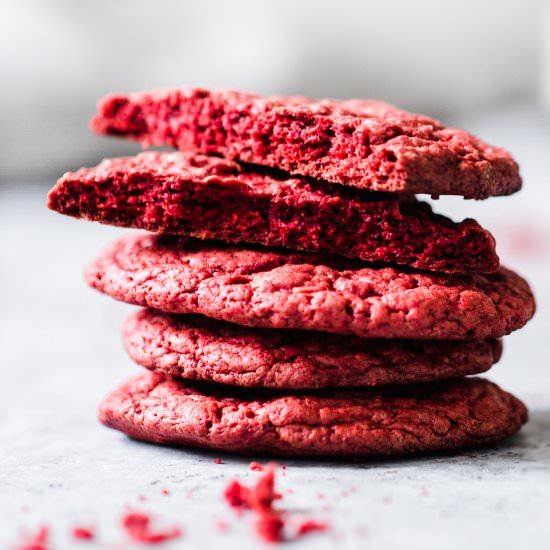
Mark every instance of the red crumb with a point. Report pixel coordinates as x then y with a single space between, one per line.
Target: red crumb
189 493
320 496
165 492
263 494
386 500
143 498
222 526
39 541
290 491
310 526
137 526
256 467
269 526
237 495
218 461
269 521
259 499
83 533
424 492
283 466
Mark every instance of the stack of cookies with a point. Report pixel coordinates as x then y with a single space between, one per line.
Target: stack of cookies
299 299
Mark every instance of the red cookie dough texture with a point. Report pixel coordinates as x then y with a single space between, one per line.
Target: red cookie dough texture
199 348
208 197
398 421
278 289
359 143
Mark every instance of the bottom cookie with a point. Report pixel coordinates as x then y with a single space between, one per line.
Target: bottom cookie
199 348
401 420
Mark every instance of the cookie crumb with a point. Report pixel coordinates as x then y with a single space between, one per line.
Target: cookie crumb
137 526
38 541
165 492
269 526
259 499
263 494
310 526
83 533
256 467
270 522
218 461
237 495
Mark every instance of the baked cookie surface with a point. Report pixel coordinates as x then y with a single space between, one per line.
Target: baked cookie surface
269 288
360 143
398 421
199 348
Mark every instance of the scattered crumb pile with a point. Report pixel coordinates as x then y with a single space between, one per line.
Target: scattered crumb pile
272 524
269 522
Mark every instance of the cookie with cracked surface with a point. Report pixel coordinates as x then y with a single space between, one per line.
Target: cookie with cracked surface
400 420
199 348
360 143
278 289
208 197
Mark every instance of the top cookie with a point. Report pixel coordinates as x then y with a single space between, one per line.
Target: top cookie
361 143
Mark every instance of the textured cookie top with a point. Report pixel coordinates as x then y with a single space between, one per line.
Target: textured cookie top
360 143
278 289
398 420
209 197
199 348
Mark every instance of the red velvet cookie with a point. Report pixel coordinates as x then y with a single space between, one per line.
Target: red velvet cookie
399 420
279 289
360 143
199 348
208 197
